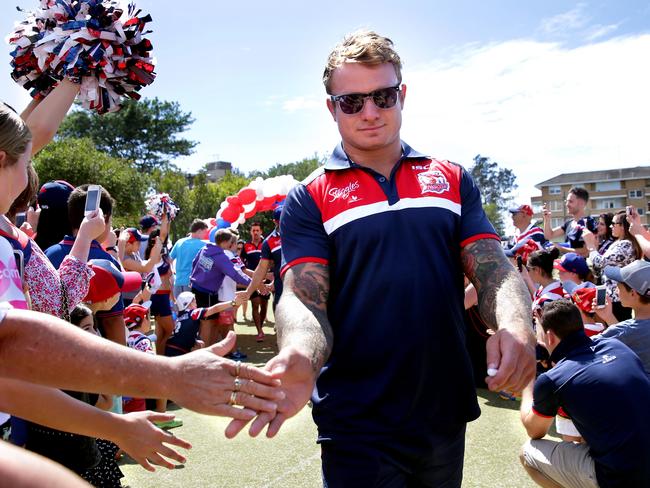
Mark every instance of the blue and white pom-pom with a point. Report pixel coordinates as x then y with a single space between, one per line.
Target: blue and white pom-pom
160 204
95 42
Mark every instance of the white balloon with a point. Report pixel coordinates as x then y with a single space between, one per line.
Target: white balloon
223 205
241 218
234 226
249 207
271 187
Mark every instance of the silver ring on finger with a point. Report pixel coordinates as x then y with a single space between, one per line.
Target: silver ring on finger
233 399
238 384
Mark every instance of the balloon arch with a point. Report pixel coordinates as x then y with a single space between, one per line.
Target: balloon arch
260 195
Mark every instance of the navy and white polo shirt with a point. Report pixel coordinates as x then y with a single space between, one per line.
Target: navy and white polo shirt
186 329
399 366
603 387
272 251
251 254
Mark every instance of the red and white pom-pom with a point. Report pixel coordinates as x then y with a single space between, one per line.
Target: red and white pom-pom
161 204
97 43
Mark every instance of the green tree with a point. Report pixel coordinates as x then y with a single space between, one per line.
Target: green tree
145 132
78 162
495 216
496 185
204 198
299 169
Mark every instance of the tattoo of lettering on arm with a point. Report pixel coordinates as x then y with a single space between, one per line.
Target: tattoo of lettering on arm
502 294
301 314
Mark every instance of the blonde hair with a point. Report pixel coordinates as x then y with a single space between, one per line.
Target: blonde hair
14 134
364 47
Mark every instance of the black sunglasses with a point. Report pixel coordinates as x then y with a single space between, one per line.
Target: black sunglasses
353 102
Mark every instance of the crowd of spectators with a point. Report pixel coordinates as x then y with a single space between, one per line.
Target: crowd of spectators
590 288
62 261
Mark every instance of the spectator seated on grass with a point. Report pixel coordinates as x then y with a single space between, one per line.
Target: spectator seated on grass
602 386
634 291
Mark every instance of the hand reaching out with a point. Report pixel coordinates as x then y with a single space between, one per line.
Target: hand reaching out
32 216
240 297
513 355
295 371
206 382
136 434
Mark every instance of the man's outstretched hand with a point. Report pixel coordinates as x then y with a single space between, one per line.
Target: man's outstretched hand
295 372
512 354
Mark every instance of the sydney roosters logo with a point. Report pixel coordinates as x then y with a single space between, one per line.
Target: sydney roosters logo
433 181
343 193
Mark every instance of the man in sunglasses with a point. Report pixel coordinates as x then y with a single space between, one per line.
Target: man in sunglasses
375 245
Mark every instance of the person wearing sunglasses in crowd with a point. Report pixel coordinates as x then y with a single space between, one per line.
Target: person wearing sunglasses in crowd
625 250
385 349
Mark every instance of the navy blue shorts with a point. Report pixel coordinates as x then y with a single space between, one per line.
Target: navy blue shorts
205 300
160 305
350 463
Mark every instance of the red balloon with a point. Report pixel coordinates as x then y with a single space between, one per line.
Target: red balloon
230 213
247 196
234 201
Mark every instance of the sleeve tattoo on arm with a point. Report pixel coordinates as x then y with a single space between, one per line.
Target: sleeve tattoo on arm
502 293
302 311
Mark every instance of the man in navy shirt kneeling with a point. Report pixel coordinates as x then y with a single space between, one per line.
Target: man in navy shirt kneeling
602 386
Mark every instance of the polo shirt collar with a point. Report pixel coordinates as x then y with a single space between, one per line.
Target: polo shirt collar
575 340
340 160
69 240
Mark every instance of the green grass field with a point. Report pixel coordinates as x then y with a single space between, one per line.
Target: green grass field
292 459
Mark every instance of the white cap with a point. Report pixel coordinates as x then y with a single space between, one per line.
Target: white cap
184 299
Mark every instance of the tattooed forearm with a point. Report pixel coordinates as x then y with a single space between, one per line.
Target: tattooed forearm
301 315
502 295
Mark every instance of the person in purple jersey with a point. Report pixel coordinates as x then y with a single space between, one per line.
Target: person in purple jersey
209 268
383 350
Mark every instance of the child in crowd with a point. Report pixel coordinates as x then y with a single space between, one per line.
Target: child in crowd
185 336
107 472
82 454
583 296
573 268
136 318
108 283
186 331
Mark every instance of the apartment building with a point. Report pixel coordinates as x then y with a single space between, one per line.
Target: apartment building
609 191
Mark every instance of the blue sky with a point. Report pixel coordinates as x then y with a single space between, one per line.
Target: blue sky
542 87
